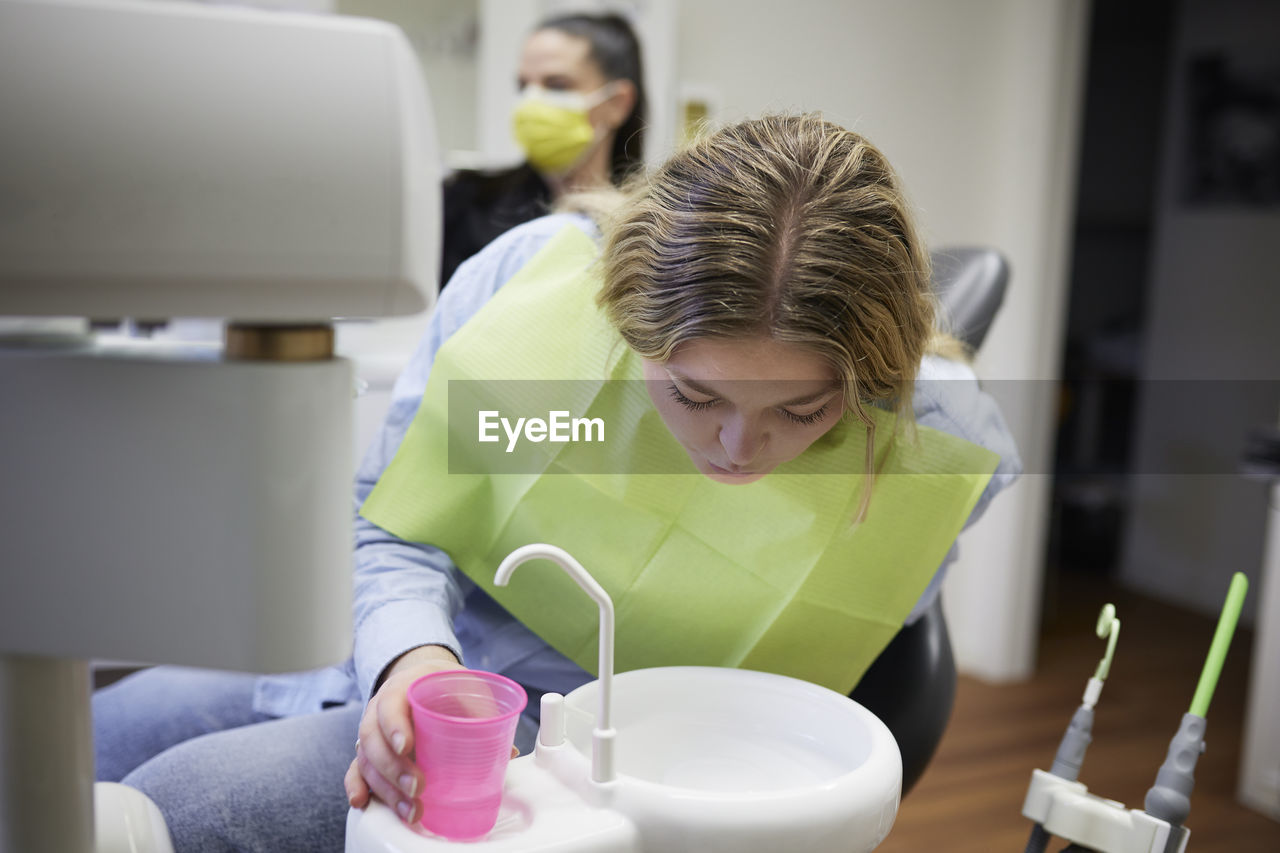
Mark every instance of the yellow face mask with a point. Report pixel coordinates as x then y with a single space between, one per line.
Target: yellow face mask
553 128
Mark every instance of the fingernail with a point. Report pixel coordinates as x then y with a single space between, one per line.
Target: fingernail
408 784
397 743
405 810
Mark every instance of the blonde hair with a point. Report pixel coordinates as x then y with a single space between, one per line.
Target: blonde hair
788 227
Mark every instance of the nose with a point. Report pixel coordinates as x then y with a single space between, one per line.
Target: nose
742 441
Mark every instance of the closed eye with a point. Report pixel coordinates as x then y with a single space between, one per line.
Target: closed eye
806 420
692 405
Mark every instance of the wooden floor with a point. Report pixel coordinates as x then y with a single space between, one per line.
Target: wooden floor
970 798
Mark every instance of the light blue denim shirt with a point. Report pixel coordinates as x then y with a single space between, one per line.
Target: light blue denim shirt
409 595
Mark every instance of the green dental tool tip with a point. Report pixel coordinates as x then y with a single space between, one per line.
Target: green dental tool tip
1218 649
1108 629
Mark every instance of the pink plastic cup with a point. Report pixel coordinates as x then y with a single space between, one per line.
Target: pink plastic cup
464 723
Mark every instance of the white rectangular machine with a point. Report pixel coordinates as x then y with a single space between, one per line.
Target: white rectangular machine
169 502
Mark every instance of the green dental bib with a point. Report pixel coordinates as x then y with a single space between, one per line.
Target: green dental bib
771 575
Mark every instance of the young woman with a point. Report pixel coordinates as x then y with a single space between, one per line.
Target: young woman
769 287
761 339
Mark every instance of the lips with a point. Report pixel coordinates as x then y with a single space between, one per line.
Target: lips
729 473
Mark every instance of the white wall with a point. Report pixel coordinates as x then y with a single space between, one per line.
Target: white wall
1260 754
977 104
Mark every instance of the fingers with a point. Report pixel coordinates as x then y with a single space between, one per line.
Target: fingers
384 765
395 724
357 790
391 777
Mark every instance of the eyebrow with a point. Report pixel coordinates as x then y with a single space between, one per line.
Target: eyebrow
799 401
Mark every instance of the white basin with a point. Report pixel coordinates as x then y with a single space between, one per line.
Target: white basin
726 730
707 760
721 759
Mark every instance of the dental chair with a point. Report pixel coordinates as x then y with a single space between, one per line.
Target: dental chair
911 686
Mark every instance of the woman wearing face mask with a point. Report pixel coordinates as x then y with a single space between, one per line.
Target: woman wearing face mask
579 121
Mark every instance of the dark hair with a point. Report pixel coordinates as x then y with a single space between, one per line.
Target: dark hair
616 50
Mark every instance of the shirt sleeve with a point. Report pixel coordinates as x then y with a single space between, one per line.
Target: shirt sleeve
948 398
407 594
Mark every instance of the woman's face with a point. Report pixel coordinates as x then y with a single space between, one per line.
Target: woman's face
559 62
740 408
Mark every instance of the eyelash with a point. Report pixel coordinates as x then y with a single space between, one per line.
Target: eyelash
809 419
701 405
691 405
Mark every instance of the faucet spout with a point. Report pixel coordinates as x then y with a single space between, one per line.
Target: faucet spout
602 768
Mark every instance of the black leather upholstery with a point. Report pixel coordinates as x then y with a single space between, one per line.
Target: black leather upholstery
970 283
911 686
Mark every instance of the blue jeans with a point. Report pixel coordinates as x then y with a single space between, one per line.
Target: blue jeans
226 777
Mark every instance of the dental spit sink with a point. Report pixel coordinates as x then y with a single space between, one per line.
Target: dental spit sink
682 759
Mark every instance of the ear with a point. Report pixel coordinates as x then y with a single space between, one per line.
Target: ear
620 104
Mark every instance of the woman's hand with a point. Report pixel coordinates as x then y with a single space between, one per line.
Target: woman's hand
384 755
